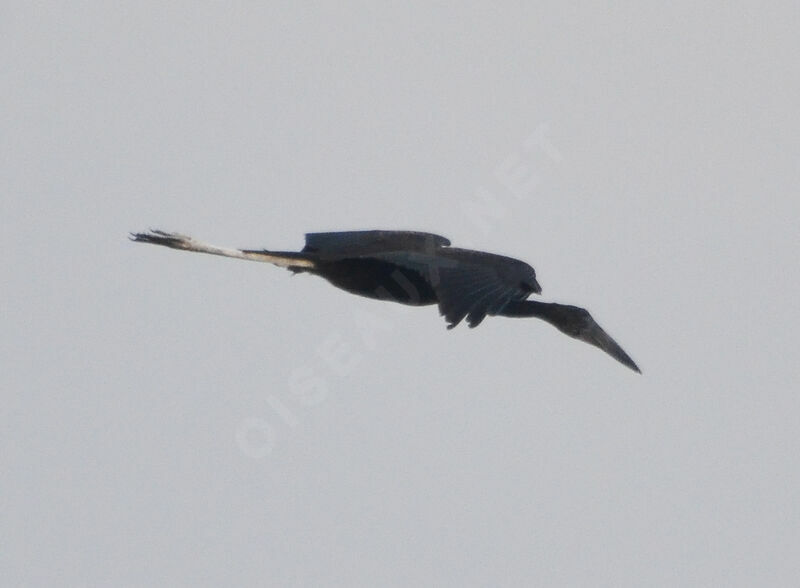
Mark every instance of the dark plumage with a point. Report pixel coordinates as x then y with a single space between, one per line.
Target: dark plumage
419 269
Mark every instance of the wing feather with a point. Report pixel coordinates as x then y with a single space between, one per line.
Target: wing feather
463 289
360 243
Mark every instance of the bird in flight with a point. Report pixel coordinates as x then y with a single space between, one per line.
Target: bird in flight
418 269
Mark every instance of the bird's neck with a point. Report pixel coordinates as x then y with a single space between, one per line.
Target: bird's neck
532 308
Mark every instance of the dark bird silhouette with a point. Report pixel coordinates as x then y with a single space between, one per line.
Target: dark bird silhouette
417 268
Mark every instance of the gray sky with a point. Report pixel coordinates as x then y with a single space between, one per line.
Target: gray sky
185 419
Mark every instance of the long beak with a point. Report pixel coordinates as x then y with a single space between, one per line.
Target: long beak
596 336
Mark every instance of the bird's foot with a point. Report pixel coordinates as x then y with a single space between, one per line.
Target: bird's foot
158 237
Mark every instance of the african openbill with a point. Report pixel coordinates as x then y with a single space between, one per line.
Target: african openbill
417 268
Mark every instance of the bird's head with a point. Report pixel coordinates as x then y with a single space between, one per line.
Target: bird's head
579 324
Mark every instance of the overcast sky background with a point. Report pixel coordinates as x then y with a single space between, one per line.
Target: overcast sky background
174 418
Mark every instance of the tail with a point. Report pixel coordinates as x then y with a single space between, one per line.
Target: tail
293 261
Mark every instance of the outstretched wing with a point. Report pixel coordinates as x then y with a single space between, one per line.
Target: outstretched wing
473 292
463 289
360 243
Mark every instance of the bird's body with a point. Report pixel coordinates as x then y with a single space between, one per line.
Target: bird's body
419 269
